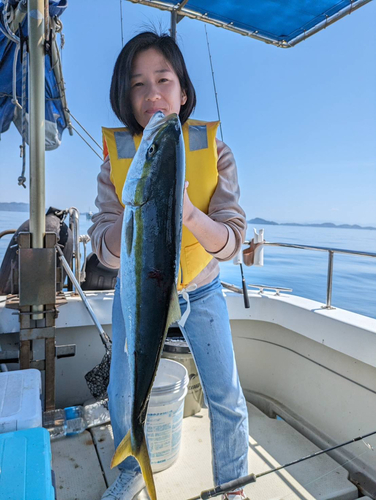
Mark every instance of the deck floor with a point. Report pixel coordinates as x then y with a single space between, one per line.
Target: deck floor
81 464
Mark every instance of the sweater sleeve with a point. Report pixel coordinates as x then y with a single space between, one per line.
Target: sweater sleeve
109 210
224 205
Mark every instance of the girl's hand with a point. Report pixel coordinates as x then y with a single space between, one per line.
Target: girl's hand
188 207
249 253
211 234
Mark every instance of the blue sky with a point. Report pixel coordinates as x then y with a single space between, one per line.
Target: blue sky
301 122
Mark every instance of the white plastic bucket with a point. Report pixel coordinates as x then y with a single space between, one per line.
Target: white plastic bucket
165 414
176 348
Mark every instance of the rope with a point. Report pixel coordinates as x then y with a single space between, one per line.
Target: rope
11 36
8 32
14 86
22 178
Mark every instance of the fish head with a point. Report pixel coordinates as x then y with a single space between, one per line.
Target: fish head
160 155
165 135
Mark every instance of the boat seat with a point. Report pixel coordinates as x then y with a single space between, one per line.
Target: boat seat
54 224
98 276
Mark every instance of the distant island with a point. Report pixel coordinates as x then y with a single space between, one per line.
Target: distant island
24 207
14 207
261 222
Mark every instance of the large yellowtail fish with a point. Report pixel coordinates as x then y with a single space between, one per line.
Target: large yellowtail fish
150 254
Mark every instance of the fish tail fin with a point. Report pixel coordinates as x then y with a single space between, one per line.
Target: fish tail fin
125 450
144 461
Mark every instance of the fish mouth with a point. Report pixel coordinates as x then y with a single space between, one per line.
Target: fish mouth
159 119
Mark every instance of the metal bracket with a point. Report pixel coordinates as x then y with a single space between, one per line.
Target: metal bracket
37 333
61 351
51 311
276 289
65 351
37 288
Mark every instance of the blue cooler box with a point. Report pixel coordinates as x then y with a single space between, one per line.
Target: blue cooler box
25 465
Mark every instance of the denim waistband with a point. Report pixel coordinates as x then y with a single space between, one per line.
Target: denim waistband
195 294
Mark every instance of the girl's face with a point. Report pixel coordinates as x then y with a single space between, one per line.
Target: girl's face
154 87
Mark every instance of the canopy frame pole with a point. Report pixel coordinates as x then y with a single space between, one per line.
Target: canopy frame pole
176 18
173 24
161 5
36 10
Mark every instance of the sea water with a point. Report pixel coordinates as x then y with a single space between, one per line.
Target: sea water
305 271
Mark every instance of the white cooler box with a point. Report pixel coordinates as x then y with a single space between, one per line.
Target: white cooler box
20 400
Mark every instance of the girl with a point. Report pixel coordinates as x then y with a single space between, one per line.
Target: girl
150 75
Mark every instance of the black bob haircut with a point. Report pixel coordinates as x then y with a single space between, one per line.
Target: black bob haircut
121 79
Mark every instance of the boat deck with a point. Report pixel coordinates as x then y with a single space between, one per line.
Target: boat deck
81 464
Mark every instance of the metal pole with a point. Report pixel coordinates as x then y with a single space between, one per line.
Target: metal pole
330 281
36 126
74 220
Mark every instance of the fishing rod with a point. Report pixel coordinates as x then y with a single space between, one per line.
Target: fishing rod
244 285
251 478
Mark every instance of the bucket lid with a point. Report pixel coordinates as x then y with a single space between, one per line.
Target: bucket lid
171 376
176 344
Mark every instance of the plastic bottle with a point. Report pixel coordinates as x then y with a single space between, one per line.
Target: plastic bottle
75 419
96 412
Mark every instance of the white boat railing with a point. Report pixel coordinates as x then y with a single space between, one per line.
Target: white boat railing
331 252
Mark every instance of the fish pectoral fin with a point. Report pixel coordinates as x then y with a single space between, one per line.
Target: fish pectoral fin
125 450
128 230
174 313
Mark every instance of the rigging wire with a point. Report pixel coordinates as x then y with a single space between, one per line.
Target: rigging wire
84 129
121 23
215 88
77 132
244 284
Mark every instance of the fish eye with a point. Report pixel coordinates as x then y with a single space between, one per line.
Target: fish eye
152 150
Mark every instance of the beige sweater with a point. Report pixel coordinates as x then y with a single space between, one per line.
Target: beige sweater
223 208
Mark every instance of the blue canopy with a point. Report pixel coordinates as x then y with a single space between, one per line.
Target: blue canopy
56 120
283 23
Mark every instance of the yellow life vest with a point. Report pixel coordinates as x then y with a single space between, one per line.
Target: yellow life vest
201 171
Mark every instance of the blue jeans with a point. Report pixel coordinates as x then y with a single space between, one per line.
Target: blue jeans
207 332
